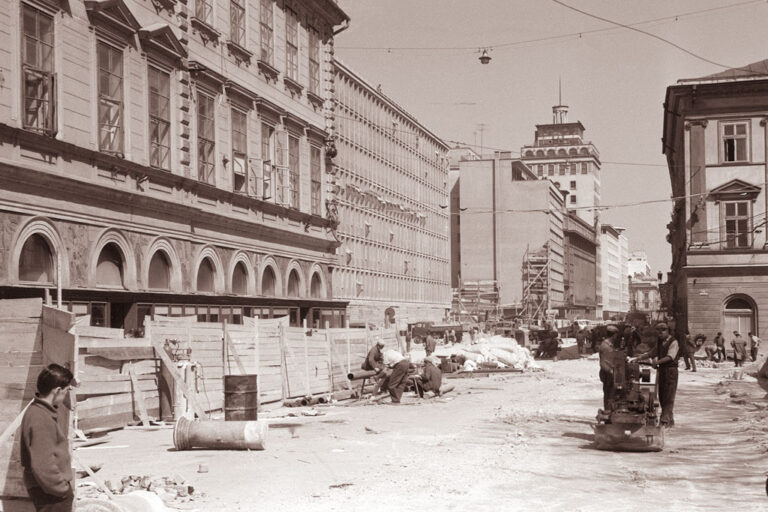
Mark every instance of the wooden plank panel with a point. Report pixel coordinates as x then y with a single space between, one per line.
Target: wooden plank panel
122 353
17 308
98 332
87 342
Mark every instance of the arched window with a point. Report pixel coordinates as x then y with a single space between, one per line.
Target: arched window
293 284
159 272
316 286
240 279
739 315
205 276
36 261
109 267
268 282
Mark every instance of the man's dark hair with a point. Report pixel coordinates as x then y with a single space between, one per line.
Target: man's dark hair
53 376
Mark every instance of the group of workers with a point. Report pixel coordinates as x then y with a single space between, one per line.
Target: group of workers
393 371
715 349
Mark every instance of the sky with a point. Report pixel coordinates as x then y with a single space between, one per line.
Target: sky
424 53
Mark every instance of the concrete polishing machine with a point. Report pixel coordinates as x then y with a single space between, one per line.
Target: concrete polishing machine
631 422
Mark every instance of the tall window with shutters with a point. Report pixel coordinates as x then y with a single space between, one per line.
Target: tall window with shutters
280 167
159 118
291 45
239 151
265 24
314 60
237 22
206 145
293 171
39 94
267 155
110 62
316 178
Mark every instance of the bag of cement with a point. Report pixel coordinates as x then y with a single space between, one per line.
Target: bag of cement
470 366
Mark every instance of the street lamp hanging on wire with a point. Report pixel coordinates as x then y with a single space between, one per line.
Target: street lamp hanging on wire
484 57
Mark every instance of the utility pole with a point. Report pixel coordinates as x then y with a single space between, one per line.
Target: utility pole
481 129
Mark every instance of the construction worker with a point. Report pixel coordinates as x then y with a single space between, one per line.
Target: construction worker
689 349
739 345
608 345
581 337
431 377
429 344
754 343
398 379
720 347
665 356
44 447
374 362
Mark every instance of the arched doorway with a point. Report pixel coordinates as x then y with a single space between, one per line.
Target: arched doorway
739 315
159 272
36 261
294 289
205 276
109 267
268 282
316 286
240 279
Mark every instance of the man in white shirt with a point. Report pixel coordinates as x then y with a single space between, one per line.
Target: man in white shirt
399 376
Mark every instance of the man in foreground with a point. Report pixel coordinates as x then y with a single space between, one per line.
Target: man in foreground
45 447
665 356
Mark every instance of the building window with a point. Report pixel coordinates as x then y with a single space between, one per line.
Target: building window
573 185
36 261
293 171
37 68
734 136
314 61
206 146
267 154
237 22
551 170
736 217
159 119
265 21
541 171
291 45
204 11
584 167
314 164
573 199
573 168
562 169
110 61
239 150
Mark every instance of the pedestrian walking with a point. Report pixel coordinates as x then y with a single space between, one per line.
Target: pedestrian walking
665 356
689 349
45 447
754 343
720 346
739 345
581 337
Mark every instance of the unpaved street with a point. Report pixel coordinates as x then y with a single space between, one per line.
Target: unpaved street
515 442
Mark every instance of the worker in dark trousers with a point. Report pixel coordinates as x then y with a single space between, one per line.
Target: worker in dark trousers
398 379
665 356
45 447
581 337
608 345
739 345
431 377
374 362
429 344
689 349
720 348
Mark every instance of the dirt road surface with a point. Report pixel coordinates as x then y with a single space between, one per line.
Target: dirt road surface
514 442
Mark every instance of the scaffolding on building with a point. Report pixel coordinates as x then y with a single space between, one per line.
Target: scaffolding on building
536 285
475 301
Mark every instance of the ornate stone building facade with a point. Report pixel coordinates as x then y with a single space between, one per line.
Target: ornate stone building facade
392 184
168 157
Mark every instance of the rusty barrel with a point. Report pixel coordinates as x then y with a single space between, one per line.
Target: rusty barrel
219 435
241 398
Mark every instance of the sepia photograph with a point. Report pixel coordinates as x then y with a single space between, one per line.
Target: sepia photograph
380 255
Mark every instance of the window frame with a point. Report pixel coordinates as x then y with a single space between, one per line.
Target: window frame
47 77
313 59
153 117
201 14
201 175
725 239
266 32
291 44
268 148
722 125
237 32
103 98
316 179
239 153
294 170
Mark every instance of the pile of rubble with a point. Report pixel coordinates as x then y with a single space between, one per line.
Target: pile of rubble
172 491
493 352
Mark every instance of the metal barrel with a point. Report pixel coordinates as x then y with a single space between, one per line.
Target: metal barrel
241 398
219 435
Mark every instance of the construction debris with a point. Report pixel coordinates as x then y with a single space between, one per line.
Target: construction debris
171 490
496 352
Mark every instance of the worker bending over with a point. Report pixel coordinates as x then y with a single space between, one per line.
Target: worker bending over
665 357
431 377
398 379
374 362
